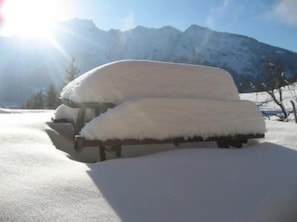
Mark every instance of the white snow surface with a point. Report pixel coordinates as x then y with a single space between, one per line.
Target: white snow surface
123 80
161 118
64 112
41 182
265 102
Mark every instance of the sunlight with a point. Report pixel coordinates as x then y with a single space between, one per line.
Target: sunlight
31 18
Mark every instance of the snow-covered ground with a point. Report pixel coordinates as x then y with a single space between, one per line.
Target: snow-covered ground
265 103
44 179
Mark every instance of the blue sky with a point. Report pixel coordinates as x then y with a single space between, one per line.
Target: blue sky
270 21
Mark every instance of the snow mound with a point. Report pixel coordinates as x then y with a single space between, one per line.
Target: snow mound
161 118
123 80
4 111
64 112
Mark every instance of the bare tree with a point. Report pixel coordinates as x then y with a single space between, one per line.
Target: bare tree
293 90
272 81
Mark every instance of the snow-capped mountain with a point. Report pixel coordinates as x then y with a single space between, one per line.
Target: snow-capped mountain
30 65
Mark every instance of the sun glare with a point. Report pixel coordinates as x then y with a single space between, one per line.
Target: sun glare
31 18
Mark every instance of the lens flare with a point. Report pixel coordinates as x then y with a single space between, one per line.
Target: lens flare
30 18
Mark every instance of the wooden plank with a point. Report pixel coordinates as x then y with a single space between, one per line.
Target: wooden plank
90 105
102 153
61 120
116 142
236 143
222 142
79 121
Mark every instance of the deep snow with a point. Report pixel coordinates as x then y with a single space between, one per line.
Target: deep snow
42 181
123 80
163 118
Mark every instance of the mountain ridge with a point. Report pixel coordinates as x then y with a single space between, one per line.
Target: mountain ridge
38 64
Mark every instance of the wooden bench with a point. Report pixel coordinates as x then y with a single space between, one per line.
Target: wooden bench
162 120
79 122
116 145
109 86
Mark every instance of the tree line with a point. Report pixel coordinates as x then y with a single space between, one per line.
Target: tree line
49 99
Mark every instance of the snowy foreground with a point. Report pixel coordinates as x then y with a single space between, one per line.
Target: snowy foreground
44 179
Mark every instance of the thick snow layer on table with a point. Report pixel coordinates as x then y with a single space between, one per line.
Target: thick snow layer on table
161 118
40 183
120 81
64 112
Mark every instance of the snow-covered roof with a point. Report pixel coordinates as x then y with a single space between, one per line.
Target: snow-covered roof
162 118
123 80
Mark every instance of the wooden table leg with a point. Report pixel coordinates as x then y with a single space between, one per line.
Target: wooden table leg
102 153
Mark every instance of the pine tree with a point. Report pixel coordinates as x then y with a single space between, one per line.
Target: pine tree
29 104
71 72
51 98
38 100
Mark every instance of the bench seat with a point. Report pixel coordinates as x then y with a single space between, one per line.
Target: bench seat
169 120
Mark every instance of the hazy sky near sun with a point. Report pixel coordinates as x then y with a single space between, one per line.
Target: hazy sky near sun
270 21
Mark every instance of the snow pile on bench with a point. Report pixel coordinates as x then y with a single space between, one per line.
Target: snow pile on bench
123 80
162 118
67 113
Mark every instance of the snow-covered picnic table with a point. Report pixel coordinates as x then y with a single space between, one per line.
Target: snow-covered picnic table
137 102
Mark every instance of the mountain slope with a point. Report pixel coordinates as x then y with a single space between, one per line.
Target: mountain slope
27 66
